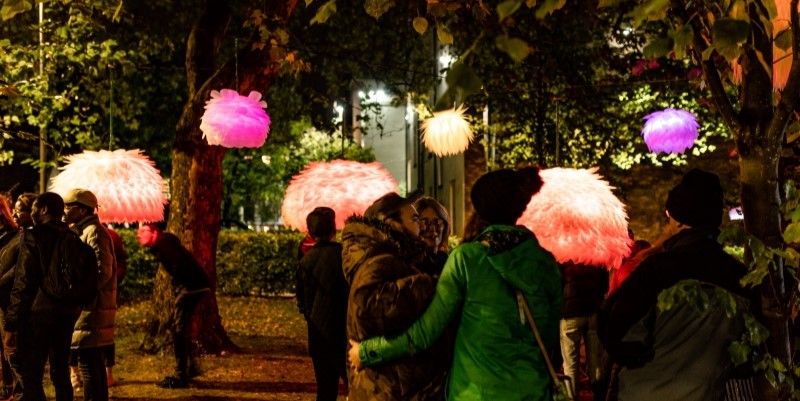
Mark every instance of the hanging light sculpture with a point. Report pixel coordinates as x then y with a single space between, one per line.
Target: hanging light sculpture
126 183
670 131
347 187
578 218
447 133
235 121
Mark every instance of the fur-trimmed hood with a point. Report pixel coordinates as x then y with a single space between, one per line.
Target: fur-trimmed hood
364 237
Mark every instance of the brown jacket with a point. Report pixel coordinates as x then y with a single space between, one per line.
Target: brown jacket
387 294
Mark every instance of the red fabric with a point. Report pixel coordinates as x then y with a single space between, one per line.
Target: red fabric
628 266
307 243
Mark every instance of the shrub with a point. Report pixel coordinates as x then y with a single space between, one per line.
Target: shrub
248 263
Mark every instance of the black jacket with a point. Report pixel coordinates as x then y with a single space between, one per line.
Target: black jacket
27 298
186 273
584 289
9 251
322 291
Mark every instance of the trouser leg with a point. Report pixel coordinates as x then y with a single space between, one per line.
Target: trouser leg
93 370
326 370
28 363
570 349
185 305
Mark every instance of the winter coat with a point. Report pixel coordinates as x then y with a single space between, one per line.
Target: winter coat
322 291
120 255
95 326
9 252
180 264
585 288
496 357
27 298
388 293
680 353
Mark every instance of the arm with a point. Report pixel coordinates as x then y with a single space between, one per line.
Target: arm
299 289
27 280
100 242
426 330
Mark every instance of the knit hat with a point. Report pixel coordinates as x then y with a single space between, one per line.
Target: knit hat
697 200
501 196
321 222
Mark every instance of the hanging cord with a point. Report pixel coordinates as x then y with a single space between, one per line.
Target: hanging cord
236 61
110 107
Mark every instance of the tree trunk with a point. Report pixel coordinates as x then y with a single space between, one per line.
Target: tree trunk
196 186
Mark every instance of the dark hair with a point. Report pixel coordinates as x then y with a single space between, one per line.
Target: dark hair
321 223
475 224
387 207
27 199
5 213
427 202
52 202
501 196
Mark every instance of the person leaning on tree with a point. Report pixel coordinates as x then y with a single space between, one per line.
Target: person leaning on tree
94 331
190 284
322 296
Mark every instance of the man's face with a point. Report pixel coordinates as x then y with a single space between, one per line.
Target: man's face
147 235
22 215
37 213
74 213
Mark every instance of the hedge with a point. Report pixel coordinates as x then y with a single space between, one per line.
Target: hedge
248 263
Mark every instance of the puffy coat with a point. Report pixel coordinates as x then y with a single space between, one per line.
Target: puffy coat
95 326
388 293
680 353
322 291
496 356
180 264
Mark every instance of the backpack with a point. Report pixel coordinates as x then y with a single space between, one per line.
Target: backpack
72 274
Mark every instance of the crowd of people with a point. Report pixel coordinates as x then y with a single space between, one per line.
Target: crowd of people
395 314
60 268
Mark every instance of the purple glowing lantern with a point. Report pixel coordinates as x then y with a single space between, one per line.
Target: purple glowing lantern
235 121
670 131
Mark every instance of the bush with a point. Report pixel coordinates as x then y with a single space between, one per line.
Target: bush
248 263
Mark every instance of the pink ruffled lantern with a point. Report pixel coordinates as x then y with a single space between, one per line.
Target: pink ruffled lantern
235 121
578 218
447 133
670 131
126 183
347 187
781 59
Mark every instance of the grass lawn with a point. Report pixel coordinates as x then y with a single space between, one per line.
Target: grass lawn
273 364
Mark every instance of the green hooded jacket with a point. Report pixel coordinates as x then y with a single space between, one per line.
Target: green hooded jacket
495 357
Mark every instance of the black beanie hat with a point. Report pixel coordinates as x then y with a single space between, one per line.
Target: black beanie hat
697 200
501 196
321 222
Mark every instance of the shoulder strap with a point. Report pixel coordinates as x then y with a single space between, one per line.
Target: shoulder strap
523 306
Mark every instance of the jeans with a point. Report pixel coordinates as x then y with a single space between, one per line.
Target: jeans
41 337
185 304
91 362
329 359
572 331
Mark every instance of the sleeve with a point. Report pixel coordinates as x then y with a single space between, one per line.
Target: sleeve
546 304
387 304
426 330
299 289
27 280
100 242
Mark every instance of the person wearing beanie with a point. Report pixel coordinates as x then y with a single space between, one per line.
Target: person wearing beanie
322 298
495 356
681 352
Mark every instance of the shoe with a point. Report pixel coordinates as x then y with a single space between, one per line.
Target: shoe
173 382
109 377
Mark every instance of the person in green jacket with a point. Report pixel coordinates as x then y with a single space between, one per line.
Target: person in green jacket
496 356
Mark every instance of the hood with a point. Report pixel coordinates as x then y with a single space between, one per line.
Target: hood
515 253
363 238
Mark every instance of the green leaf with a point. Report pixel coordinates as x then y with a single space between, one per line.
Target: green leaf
728 34
792 233
649 10
658 47
324 12
308 2
444 36
376 8
548 7
463 79
516 48
530 3
13 7
783 40
607 3
420 25
682 37
507 8
739 352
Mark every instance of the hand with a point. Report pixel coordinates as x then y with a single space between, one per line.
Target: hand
353 355
10 342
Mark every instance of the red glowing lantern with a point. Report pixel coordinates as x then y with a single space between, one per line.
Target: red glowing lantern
347 187
578 218
126 183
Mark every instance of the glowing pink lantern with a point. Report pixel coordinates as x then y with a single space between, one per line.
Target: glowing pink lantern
577 218
235 121
670 131
347 187
781 59
126 183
